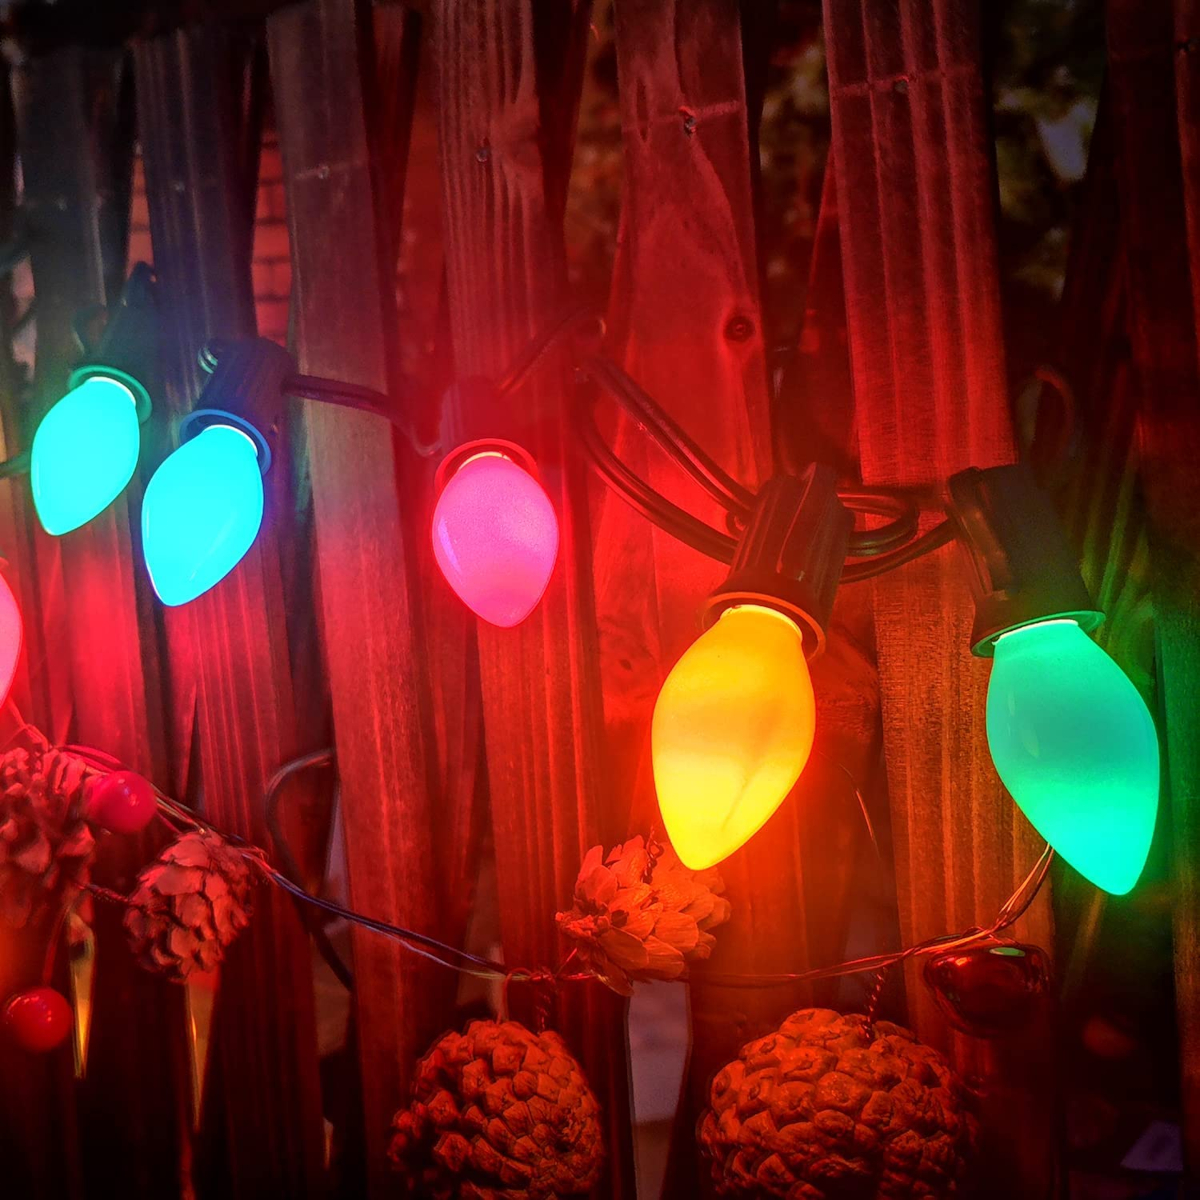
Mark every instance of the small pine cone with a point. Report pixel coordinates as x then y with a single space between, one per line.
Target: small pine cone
829 1107
46 846
498 1113
189 904
638 919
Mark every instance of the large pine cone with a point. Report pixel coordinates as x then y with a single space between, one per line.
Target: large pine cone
46 846
498 1113
829 1108
189 905
637 920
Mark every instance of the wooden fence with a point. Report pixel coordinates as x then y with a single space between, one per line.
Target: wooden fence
336 630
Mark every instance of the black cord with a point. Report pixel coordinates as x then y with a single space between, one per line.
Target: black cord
684 452
929 541
291 868
17 465
289 879
334 391
536 351
645 500
901 529
363 399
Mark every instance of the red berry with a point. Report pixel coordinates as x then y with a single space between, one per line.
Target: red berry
38 1018
123 802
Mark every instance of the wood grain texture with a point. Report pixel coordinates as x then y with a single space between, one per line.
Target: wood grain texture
228 648
687 324
915 191
87 627
549 790
1155 91
377 669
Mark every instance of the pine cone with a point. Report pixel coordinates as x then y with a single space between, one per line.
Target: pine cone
626 927
46 846
498 1113
829 1108
189 905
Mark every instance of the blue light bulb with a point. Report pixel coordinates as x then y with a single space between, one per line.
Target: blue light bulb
84 453
201 513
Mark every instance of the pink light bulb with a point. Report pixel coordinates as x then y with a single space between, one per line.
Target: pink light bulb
495 537
10 638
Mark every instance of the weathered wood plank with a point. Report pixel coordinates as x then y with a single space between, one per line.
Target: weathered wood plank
541 688
1155 92
68 122
688 326
914 184
229 645
377 667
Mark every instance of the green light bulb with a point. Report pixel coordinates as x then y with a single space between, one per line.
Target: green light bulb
84 453
1076 746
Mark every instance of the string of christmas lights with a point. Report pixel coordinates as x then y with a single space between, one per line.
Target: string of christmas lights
734 722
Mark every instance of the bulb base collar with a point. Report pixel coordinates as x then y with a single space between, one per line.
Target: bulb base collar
245 390
461 455
1021 568
791 555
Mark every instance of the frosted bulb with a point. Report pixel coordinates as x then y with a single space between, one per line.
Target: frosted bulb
201 513
10 638
733 727
84 453
1076 747
495 538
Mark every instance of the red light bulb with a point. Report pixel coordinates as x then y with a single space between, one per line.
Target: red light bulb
38 1018
122 802
495 534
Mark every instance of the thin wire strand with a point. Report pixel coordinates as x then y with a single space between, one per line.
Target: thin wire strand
486 968
291 868
1013 909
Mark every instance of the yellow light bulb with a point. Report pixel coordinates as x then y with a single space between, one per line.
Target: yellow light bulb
733 728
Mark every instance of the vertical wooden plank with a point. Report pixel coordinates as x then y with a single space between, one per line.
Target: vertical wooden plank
506 280
914 184
1154 81
263 1129
378 673
68 123
688 326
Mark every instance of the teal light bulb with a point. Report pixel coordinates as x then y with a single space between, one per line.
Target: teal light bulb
84 453
201 513
1076 746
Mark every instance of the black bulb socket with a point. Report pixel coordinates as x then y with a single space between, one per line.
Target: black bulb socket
245 390
791 555
1020 565
128 347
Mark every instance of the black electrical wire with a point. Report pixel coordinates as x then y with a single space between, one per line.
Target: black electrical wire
645 500
291 868
929 541
334 391
536 351
17 465
362 399
684 452
901 529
